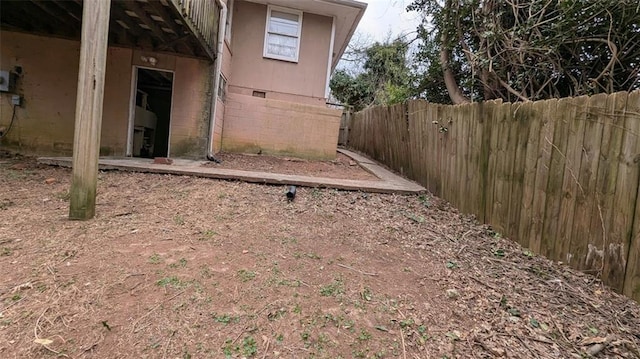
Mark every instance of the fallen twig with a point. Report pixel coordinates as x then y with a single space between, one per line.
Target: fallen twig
357 270
133 329
166 346
266 349
404 348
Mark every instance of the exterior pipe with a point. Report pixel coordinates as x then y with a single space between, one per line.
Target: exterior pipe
216 81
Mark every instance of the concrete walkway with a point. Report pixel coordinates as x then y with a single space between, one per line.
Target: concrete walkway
389 182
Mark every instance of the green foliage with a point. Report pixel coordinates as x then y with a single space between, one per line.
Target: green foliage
528 49
385 79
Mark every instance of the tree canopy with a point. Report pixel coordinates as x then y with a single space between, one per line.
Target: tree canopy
384 79
527 49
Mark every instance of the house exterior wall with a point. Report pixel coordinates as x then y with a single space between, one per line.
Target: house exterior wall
302 82
263 125
45 123
293 118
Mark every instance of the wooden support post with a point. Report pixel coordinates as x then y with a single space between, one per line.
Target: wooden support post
86 141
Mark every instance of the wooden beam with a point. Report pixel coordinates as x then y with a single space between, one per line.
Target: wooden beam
88 119
47 15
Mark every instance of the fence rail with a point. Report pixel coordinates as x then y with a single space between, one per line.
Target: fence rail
561 177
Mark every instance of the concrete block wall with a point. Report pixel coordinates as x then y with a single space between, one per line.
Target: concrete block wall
254 124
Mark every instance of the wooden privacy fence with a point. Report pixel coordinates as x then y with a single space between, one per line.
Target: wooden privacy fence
560 177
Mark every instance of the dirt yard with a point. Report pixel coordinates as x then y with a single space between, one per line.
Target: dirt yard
182 267
342 167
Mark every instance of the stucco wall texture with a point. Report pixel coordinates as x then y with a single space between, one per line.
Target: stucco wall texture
258 125
44 125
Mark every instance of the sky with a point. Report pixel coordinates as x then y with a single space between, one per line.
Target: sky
387 16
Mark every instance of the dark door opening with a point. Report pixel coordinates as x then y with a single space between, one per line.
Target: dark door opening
152 114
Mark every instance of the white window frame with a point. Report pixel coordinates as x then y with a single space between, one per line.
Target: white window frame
266 34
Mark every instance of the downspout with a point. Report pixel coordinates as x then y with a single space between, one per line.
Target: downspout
216 81
330 61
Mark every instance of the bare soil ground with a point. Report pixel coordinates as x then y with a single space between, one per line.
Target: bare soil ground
342 167
183 267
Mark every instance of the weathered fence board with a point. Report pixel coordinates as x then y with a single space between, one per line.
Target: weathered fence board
586 199
553 192
570 183
561 177
632 276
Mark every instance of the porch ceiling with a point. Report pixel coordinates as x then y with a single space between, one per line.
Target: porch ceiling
149 25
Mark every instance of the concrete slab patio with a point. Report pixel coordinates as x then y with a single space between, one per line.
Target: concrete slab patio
388 181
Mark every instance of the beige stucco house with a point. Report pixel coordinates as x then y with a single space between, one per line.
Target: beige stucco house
184 78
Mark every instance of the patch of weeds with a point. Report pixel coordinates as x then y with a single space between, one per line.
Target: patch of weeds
249 346
16 297
360 353
423 336
381 354
277 314
63 195
280 338
294 283
172 281
155 259
305 335
181 263
205 272
349 325
179 220
288 240
452 265
228 348
498 252
298 255
528 253
207 235
246 275
6 251
333 289
406 323
593 330
297 309
366 294
225 318
425 200
364 335
497 235
535 323
511 310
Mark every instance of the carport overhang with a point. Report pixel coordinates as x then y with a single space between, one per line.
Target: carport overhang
162 26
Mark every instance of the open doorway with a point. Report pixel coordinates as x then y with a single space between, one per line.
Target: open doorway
152 113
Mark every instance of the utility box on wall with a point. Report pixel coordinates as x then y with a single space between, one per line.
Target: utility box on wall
7 81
